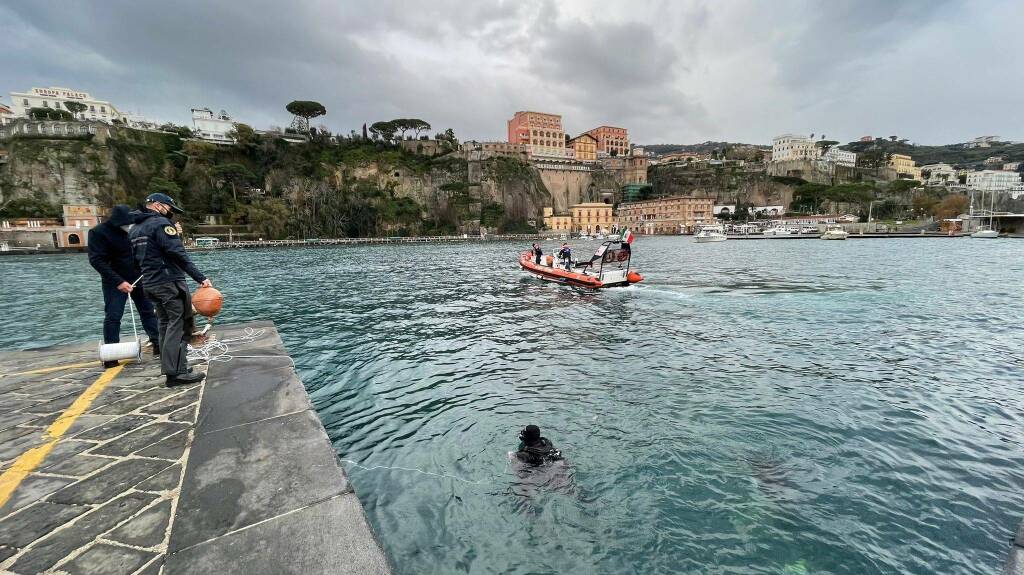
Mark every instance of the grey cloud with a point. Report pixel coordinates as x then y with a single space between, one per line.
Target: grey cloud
669 71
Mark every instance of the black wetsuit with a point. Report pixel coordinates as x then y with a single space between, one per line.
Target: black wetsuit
538 452
536 255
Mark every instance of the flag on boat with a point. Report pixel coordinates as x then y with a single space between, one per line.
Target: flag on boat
627 237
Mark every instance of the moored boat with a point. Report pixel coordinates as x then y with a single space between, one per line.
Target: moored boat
711 234
834 233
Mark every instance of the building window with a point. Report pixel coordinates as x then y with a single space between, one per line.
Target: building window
24 101
46 104
103 109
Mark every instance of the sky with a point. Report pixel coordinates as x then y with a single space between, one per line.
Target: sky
670 71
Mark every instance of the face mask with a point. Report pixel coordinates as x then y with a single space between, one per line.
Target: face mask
169 216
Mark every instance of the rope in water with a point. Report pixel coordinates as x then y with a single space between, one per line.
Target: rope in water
415 470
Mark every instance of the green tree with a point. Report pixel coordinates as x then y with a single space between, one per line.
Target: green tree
384 130
306 110
49 114
158 185
75 107
234 175
244 135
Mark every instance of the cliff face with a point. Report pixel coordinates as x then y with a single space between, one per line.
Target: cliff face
727 184
299 190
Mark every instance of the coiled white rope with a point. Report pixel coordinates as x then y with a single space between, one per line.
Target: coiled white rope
220 349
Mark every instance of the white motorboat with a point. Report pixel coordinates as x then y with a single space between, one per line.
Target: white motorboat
809 230
709 234
985 232
599 237
835 233
779 231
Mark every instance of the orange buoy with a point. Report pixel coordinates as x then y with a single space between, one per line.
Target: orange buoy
207 301
633 277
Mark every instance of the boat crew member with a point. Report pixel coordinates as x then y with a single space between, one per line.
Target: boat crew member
156 244
110 253
537 253
534 449
565 254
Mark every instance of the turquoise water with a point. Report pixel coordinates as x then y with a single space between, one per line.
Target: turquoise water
754 407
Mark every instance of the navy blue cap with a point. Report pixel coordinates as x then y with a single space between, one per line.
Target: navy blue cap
164 199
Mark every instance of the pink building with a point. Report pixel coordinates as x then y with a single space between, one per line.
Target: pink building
541 133
611 139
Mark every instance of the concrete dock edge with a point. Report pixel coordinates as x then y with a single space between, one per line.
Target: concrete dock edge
263 489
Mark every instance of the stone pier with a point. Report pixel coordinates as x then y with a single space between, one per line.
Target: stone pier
110 472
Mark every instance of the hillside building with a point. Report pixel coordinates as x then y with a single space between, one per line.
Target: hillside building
939 174
211 127
592 217
789 147
584 147
840 157
626 169
905 167
992 180
69 232
1011 167
486 150
611 141
542 133
670 216
55 98
6 115
557 223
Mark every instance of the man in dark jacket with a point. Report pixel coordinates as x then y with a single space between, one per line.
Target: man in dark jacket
162 258
110 252
534 449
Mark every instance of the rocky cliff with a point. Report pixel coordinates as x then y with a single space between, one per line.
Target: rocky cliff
328 188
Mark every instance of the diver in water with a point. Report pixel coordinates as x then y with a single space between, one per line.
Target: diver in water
534 449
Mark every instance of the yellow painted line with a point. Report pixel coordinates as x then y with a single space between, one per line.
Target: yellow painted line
30 460
52 369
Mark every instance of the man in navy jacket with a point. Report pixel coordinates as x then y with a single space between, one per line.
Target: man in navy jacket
110 252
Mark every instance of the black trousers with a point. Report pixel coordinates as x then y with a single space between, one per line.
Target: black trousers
114 301
174 310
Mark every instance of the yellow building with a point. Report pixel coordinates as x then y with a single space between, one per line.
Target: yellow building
584 147
905 166
557 223
677 215
592 217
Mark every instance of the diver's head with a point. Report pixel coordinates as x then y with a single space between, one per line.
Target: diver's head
530 434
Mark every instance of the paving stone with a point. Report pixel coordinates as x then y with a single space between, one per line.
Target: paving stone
174 403
246 474
78 465
265 394
53 406
187 415
57 545
15 447
140 438
109 482
36 520
9 420
16 403
147 529
46 390
336 529
87 422
104 559
32 489
41 421
134 402
153 568
14 433
112 395
164 481
6 552
65 449
115 427
170 448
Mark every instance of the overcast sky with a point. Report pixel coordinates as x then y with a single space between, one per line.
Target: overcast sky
933 71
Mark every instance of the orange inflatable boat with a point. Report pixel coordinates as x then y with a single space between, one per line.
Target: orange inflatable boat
609 267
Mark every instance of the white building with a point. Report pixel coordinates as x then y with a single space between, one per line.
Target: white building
100 110
1011 166
982 142
839 157
212 127
788 147
6 115
940 174
992 180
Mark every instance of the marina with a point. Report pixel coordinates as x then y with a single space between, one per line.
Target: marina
423 384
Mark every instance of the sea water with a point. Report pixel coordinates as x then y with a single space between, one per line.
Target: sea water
770 406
